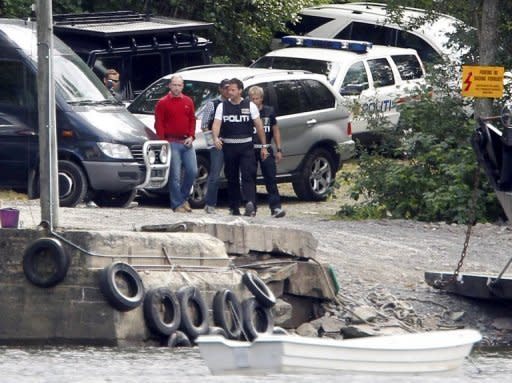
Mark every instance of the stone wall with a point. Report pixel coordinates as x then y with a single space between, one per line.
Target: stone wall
76 312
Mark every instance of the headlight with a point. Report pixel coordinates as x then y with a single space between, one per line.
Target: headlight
151 157
164 154
115 150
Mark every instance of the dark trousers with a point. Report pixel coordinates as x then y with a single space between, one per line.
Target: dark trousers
240 165
268 170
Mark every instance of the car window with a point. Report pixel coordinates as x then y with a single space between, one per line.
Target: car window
408 66
18 95
383 35
145 103
425 51
11 93
290 98
327 68
184 59
102 63
319 96
376 34
268 93
356 79
200 92
146 69
307 23
382 73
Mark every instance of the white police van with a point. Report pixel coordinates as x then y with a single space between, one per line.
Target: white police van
372 79
370 22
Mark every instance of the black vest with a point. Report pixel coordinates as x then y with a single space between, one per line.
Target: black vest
236 120
211 117
268 119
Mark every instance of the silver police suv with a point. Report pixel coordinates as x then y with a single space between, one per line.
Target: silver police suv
315 126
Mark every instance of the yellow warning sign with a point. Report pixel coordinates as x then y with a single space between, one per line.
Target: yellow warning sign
482 81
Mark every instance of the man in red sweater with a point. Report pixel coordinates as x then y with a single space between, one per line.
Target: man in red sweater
175 121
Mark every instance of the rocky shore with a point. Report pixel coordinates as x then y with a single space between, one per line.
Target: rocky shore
379 265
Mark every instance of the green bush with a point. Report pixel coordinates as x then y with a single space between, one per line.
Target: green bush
428 172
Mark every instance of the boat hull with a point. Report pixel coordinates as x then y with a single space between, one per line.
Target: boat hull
435 352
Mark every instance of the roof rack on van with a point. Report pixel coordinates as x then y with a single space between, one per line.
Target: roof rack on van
315 42
119 23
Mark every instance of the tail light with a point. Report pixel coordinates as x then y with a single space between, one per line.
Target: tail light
349 128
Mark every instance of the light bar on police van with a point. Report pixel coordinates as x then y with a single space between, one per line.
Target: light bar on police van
315 42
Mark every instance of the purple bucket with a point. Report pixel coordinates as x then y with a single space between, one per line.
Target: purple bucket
9 217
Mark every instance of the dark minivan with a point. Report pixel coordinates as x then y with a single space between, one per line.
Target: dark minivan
103 151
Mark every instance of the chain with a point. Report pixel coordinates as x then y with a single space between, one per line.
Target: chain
471 222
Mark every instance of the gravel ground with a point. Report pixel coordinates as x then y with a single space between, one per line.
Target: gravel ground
385 256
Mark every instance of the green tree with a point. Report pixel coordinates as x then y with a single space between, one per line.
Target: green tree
243 29
434 180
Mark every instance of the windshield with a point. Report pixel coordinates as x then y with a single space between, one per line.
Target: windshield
73 77
77 82
328 68
200 92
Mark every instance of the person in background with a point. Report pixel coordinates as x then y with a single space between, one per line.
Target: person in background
268 165
232 132
112 81
216 155
175 122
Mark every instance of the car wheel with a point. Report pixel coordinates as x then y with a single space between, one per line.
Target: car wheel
197 197
72 184
316 176
114 199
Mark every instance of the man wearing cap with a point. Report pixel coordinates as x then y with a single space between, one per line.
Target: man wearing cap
216 155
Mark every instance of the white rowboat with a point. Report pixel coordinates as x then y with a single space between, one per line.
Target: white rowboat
418 353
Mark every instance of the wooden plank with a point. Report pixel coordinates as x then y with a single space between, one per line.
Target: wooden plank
472 285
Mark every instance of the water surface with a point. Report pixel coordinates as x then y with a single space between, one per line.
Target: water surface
159 365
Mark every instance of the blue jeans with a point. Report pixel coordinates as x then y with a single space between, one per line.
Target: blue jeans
182 158
212 187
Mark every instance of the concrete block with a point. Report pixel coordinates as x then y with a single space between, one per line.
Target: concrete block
150 249
241 237
310 281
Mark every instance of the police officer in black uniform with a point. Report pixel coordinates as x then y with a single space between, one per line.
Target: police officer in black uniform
268 166
232 131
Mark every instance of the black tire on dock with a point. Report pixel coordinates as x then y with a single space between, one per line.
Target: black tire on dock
162 311
227 313
259 289
257 319
178 339
45 262
194 312
117 278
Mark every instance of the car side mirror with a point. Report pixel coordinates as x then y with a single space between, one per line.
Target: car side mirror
352 89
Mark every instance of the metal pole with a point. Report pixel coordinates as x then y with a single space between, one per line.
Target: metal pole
48 172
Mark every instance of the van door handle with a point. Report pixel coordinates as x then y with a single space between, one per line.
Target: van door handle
26 132
311 122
